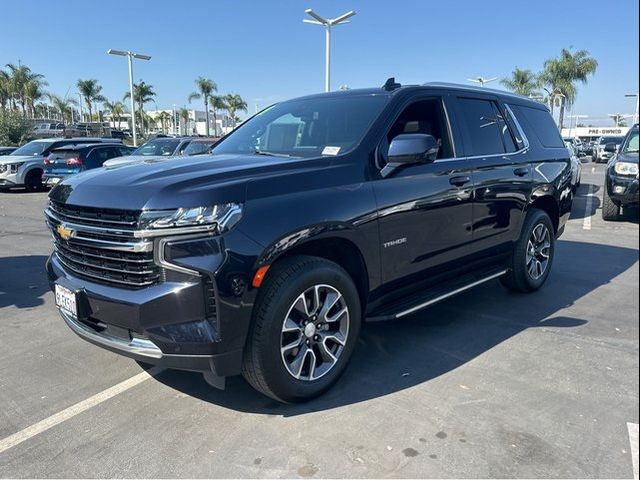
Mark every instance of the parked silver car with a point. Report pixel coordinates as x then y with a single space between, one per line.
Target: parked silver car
24 166
156 149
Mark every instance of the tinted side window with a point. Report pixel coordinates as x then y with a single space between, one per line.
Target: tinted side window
542 124
484 126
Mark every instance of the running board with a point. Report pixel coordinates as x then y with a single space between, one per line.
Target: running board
434 295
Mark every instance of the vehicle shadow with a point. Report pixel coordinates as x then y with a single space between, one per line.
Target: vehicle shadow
391 357
581 207
22 281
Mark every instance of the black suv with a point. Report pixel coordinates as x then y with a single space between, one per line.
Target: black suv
314 215
621 176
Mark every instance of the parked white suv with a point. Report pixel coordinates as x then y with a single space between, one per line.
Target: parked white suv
24 166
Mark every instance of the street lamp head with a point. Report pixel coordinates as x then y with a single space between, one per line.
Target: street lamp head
120 53
318 18
342 18
140 56
630 94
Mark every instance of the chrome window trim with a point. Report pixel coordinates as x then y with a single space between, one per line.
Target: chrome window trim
505 155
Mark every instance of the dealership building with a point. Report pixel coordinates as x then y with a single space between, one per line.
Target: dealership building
594 133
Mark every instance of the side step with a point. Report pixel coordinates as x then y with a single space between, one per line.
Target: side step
420 300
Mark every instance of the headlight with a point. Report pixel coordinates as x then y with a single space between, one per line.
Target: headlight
13 167
626 168
217 219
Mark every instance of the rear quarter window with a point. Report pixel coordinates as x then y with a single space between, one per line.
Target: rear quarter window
541 123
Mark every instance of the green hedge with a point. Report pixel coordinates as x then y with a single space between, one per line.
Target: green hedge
14 128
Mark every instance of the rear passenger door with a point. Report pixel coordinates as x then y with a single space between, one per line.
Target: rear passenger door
501 170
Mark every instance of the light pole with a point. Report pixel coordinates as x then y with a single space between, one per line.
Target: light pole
327 24
130 56
576 122
635 116
80 106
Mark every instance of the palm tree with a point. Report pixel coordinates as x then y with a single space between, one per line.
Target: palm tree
217 103
206 88
63 106
33 92
163 117
561 75
142 93
21 78
184 115
115 110
90 90
522 82
234 103
5 89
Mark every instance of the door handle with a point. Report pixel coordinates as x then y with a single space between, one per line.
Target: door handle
459 181
521 172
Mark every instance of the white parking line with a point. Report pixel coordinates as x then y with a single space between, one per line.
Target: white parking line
633 440
72 411
586 222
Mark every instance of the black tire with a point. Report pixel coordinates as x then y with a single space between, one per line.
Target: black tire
33 182
263 366
518 277
610 211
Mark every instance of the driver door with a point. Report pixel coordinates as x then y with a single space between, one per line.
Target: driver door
425 209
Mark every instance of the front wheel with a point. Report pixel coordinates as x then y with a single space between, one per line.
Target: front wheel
610 211
532 255
305 327
33 181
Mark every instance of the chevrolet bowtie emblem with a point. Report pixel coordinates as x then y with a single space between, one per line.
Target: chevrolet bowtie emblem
65 232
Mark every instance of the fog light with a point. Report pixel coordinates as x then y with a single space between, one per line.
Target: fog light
618 189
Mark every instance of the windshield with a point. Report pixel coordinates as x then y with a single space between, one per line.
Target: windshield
307 127
158 147
198 148
32 148
616 140
632 143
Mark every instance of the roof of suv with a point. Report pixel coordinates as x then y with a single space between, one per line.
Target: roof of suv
431 85
80 146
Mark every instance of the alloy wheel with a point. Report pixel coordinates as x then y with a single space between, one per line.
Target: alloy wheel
314 332
538 251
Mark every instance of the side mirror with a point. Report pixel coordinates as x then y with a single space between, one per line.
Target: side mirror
610 147
409 148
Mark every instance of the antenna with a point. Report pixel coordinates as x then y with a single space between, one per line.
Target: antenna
391 84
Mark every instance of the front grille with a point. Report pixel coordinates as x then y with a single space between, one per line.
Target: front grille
99 244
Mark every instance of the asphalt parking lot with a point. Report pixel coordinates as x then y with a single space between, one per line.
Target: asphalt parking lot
487 384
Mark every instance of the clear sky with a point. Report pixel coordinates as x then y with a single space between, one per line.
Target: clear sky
263 51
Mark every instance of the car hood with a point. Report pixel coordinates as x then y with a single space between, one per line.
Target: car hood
182 182
128 159
627 157
6 159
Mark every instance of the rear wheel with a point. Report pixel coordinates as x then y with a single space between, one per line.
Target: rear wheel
33 182
306 323
532 255
610 211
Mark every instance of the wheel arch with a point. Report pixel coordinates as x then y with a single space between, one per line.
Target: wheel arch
548 204
338 249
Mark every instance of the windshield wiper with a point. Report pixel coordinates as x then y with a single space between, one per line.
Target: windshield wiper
271 154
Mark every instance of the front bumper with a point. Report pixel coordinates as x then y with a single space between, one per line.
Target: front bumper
166 324
623 190
8 180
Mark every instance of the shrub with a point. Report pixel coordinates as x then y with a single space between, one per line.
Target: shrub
14 128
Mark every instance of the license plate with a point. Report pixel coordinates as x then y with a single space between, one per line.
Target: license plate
66 300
